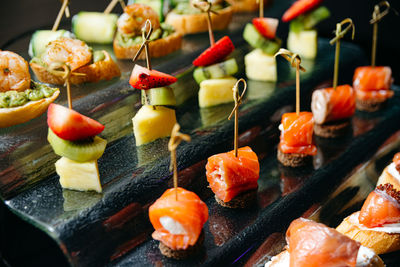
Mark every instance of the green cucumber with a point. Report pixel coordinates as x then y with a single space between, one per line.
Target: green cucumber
157 5
226 68
310 20
41 38
95 27
256 40
162 96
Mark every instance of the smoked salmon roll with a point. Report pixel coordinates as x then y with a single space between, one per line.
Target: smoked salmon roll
234 180
372 86
313 244
391 174
377 225
332 109
178 223
296 146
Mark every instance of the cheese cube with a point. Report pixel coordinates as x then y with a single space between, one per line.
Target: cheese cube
304 43
214 92
260 66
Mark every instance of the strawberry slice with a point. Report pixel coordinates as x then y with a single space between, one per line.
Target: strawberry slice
216 53
266 26
382 206
71 125
298 8
144 79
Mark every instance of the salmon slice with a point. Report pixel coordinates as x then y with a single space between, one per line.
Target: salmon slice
333 104
396 160
382 206
373 82
178 223
297 133
229 176
313 244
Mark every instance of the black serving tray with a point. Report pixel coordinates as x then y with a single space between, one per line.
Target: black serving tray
112 228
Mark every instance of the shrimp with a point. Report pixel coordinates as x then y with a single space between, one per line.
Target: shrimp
72 52
134 18
14 72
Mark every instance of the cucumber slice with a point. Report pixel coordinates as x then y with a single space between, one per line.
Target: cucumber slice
95 27
41 38
157 5
255 39
310 20
219 70
162 96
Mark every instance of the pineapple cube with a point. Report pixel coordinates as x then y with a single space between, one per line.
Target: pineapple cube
260 66
81 176
216 91
153 122
304 43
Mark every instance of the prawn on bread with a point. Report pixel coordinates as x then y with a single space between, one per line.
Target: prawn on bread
164 39
85 65
20 98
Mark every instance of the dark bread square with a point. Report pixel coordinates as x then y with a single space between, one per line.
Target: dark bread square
293 159
241 201
370 105
182 253
332 129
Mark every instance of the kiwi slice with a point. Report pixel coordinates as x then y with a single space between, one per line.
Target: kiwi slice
162 96
81 151
256 40
220 70
310 20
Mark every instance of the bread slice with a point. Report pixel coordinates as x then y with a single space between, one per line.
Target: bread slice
380 242
332 129
158 48
241 201
387 178
101 70
195 23
31 110
370 105
182 253
293 159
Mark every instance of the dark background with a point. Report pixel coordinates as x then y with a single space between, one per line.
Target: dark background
20 17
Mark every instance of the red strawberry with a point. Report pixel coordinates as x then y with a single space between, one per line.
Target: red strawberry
144 79
71 125
216 53
298 8
266 26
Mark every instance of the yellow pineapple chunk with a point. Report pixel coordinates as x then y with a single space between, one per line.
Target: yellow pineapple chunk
304 43
260 66
81 176
153 122
216 91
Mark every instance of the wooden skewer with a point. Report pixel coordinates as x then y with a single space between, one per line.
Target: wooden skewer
206 6
339 35
295 61
59 16
377 15
112 4
261 8
238 101
174 141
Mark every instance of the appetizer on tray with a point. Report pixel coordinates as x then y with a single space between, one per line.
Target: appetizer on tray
372 83
187 19
333 107
391 174
261 35
84 64
312 244
377 225
21 99
73 136
164 38
155 119
233 176
304 15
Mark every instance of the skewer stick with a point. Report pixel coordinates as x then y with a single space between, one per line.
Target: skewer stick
174 141
339 35
145 45
112 4
261 8
205 7
295 61
377 15
238 101
59 16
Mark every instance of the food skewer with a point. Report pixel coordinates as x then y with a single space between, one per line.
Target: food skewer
205 7
261 8
377 16
60 14
112 4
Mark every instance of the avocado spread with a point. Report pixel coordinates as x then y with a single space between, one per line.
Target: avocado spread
125 40
38 91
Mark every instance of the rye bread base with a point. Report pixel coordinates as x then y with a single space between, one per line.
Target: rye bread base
182 253
293 159
370 105
332 129
241 201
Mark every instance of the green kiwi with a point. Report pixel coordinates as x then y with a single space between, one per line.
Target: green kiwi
215 71
81 151
161 96
256 40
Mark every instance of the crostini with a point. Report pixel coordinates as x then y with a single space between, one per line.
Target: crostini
391 174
